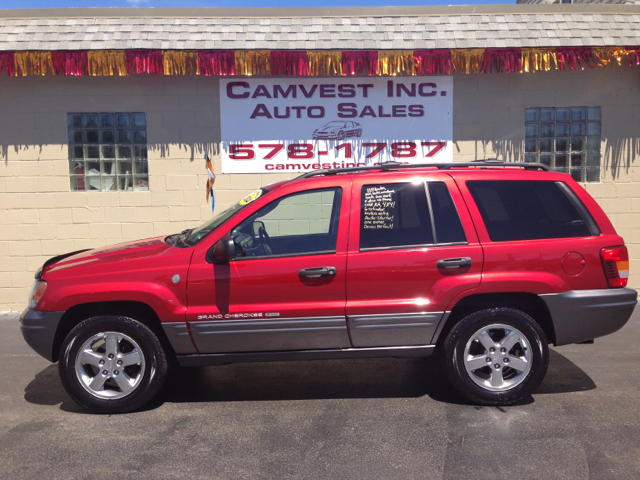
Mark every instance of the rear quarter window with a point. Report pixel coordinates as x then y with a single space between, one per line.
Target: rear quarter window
530 210
445 216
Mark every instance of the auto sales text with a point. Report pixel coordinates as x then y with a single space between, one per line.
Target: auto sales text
242 90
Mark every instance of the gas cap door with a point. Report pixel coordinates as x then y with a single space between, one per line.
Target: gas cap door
573 264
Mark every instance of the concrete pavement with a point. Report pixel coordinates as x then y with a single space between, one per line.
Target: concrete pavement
373 419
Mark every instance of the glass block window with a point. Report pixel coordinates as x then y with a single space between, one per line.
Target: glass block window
108 151
566 139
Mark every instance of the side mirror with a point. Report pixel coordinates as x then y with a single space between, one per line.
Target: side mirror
223 251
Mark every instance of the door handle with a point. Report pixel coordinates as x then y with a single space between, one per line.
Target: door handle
448 263
317 272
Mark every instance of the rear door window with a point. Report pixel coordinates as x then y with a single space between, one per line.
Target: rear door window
394 215
530 210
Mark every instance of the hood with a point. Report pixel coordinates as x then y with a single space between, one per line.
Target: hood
134 250
139 271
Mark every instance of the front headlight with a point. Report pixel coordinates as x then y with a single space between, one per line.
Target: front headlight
36 294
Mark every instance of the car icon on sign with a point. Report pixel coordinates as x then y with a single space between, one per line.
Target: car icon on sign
338 130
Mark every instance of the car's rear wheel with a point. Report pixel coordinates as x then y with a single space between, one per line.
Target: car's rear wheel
497 356
112 364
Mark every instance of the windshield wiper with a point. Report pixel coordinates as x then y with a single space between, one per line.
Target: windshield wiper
178 239
181 241
170 240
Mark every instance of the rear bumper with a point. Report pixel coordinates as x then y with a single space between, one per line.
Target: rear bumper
580 315
39 330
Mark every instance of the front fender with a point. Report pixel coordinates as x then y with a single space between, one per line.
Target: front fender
160 298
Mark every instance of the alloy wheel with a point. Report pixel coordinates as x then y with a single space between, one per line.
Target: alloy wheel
498 357
110 365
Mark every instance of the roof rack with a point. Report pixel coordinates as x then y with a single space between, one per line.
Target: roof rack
440 166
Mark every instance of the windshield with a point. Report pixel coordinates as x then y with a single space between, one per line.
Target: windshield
197 234
335 124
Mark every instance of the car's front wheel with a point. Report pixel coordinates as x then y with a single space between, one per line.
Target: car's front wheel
497 356
112 364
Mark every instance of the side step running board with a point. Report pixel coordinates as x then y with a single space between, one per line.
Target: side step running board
244 357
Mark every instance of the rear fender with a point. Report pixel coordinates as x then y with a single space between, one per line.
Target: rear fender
535 282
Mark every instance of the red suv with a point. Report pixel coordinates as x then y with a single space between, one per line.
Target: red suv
485 263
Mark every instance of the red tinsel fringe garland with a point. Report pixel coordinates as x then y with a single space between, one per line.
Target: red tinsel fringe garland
634 56
432 62
575 57
502 60
360 63
289 63
213 62
8 58
144 61
72 62
58 60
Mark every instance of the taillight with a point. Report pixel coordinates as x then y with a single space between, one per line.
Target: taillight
615 261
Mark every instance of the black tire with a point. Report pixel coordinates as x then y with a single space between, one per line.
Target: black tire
524 382
148 375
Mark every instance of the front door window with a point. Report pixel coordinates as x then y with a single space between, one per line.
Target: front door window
299 224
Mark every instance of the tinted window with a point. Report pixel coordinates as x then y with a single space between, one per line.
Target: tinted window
302 223
394 215
445 216
527 210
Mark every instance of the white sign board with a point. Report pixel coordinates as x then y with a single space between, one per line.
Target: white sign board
278 125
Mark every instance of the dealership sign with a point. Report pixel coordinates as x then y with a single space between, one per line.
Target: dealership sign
302 124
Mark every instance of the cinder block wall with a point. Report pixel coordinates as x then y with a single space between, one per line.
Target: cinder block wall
40 217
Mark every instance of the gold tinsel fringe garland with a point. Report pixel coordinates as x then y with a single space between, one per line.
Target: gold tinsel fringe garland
313 63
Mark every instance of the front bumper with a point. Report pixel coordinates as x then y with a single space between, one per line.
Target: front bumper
580 315
39 330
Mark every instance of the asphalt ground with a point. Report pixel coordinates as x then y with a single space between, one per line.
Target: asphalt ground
356 419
